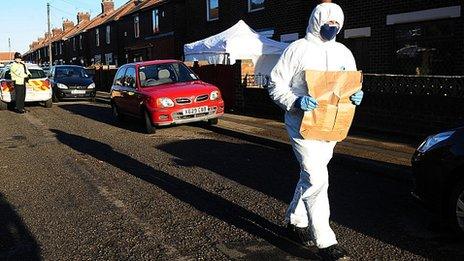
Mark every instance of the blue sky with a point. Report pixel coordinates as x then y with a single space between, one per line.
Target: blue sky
26 20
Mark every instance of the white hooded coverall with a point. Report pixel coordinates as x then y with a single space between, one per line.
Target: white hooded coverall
310 205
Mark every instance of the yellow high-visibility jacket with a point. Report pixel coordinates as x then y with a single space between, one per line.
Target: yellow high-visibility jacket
18 72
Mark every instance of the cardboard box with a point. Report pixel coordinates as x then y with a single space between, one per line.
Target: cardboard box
332 119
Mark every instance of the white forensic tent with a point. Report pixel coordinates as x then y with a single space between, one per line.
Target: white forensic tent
239 42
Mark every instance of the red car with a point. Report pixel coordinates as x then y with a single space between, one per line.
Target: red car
164 92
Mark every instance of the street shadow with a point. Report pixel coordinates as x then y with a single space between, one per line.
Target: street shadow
103 114
367 201
16 241
196 197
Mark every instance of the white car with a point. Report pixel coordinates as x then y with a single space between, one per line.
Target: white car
38 87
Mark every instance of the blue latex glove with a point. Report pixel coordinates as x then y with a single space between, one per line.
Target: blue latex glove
306 103
357 98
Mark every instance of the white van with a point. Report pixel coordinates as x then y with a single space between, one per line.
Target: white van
38 88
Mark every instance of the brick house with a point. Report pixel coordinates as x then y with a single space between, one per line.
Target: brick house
209 17
103 37
402 37
154 29
405 37
75 42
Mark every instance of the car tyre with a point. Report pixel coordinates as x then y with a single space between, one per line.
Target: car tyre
116 113
212 122
457 208
55 98
3 106
149 127
48 103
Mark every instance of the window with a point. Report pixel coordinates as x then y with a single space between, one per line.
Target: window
130 77
97 37
212 11
74 72
37 74
74 43
155 18
80 41
61 47
119 78
136 26
255 5
108 34
427 48
155 75
56 48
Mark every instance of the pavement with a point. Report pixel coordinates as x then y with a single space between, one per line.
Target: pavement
75 184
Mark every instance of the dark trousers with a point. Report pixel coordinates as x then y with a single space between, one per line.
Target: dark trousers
20 93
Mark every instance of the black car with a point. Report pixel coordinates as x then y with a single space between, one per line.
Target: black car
71 82
438 166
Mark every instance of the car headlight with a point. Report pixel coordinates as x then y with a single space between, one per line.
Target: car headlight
434 140
165 103
91 86
214 95
61 86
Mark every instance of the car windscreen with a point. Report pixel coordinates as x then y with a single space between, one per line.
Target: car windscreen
37 74
159 74
76 72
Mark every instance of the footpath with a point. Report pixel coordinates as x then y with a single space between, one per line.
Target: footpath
370 152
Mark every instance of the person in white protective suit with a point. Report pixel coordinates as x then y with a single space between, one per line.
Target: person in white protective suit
309 212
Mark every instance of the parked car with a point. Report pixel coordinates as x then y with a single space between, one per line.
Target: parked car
38 88
71 82
438 166
164 92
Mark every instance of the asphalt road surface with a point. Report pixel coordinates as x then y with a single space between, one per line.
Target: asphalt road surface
76 185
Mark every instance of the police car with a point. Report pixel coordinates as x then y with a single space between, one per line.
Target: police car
38 88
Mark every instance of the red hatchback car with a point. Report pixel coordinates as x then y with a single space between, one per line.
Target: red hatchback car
164 92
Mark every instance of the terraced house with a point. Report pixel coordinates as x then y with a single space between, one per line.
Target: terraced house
403 37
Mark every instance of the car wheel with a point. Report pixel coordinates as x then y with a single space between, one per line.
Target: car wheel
212 122
116 114
3 106
55 98
149 128
48 103
457 208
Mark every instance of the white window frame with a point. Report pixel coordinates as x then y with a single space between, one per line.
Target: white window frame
136 26
155 17
254 10
108 34
97 37
209 19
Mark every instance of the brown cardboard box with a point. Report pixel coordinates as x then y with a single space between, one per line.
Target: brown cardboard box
332 119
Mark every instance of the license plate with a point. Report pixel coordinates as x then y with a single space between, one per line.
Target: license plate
77 92
193 111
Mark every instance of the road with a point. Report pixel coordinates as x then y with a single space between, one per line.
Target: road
75 185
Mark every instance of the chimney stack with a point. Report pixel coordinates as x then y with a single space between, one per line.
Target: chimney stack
67 25
81 17
57 31
107 6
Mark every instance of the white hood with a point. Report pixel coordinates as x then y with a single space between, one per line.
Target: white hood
322 14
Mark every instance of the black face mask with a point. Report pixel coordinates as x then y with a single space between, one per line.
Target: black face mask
328 32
